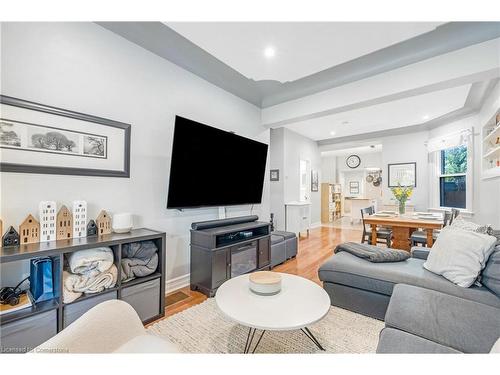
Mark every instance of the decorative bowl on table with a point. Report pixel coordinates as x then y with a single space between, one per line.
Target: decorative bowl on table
265 283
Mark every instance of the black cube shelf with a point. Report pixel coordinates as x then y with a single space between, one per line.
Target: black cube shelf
45 319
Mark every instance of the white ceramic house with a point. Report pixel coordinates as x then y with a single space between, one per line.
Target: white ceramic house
79 219
47 213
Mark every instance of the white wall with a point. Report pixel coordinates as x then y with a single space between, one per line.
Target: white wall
295 148
335 170
329 169
277 161
403 149
85 68
486 193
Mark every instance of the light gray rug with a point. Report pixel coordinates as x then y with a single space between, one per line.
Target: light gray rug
204 329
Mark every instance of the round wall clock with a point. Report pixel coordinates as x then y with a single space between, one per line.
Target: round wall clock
353 161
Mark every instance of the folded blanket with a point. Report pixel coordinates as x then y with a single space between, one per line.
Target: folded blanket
139 259
75 285
373 253
91 262
142 250
135 267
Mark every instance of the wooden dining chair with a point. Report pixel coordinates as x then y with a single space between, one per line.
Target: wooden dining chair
454 213
384 234
420 236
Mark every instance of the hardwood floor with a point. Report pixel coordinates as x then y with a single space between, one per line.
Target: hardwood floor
312 252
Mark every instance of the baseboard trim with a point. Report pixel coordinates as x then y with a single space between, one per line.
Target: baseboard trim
316 225
177 283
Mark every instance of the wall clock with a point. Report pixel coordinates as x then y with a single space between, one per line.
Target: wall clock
353 161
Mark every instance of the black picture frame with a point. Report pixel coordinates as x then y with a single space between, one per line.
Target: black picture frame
314 181
25 168
412 165
274 174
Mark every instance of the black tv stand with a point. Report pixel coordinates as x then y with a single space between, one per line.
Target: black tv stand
221 249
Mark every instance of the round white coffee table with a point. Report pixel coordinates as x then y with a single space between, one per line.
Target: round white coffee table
300 303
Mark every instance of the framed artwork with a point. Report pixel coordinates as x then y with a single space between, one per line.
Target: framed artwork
36 138
354 187
314 180
275 175
403 173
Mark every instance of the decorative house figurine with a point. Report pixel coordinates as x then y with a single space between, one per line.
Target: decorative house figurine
79 219
10 238
91 228
47 213
103 222
64 224
29 230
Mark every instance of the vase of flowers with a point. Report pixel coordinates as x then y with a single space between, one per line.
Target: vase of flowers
402 193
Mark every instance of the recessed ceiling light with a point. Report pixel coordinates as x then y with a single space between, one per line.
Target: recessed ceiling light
269 52
425 117
332 133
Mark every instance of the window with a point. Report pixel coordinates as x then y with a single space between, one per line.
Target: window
453 177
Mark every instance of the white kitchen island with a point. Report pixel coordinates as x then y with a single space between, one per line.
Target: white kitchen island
357 204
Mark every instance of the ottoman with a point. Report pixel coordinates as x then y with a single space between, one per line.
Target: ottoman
278 250
290 240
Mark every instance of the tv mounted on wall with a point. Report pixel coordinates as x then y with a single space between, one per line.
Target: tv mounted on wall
213 167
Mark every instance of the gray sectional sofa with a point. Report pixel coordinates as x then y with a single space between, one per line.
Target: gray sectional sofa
423 312
421 320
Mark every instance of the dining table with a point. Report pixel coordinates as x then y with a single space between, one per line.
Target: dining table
403 226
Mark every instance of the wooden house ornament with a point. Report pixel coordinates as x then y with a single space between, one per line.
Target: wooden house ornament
29 230
79 219
11 237
91 228
103 222
47 214
64 224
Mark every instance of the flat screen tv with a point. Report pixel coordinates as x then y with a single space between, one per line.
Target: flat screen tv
213 167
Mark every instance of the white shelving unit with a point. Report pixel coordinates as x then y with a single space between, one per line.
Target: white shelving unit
490 148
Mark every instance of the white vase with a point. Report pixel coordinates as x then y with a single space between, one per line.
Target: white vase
122 223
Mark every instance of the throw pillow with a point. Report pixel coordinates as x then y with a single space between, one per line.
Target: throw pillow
459 255
490 277
461 223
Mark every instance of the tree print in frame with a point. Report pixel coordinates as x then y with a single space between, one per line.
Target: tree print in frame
36 138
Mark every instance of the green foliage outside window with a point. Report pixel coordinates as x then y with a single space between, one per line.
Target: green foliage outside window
454 160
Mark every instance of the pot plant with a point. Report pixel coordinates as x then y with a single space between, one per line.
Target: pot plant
402 193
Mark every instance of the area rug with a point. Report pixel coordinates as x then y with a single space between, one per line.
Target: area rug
204 329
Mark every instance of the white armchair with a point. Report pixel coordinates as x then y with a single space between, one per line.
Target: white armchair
110 327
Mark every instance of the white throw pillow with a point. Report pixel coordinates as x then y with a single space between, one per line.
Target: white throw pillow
459 255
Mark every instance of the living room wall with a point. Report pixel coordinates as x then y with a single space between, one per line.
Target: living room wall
86 68
288 148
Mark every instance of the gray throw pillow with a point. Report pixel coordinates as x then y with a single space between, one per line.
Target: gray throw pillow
490 277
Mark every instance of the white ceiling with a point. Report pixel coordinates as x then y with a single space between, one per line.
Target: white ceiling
394 114
359 150
302 48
